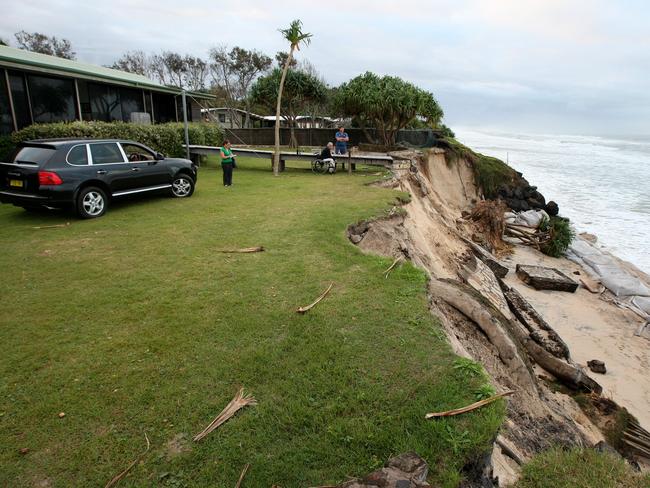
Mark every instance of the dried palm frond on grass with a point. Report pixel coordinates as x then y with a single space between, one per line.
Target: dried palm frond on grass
395 263
312 305
241 476
244 250
116 479
468 408
237 403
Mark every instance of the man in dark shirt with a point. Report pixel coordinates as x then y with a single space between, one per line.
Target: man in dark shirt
327 157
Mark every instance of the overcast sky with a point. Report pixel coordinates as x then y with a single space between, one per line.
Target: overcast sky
553 66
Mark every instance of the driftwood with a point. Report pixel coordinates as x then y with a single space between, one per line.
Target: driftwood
116 479
55 226
241 476
237 403
395 263
529 236
312 305
244 250
508 451
468 408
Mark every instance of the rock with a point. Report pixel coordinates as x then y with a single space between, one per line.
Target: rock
359 228
542 278
404 471
356 239
552 208
597 366
603 447
61 415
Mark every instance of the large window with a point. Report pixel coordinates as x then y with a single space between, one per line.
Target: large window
53 99
6 121
108 102
164 108
20 99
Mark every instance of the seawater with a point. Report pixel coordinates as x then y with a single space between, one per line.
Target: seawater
601 184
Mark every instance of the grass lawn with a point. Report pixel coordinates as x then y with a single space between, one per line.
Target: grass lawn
134 323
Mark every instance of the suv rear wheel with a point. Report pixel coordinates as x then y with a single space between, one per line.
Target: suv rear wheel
91 202
182 186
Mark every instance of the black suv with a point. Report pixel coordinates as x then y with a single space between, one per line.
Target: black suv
84 174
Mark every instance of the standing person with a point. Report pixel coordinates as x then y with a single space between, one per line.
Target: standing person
227 162
342 141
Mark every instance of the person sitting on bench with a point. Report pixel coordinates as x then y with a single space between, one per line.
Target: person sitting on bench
327 157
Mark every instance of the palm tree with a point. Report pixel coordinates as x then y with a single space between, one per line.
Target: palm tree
295 36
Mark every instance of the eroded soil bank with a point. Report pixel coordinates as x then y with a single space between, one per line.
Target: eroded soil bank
469 299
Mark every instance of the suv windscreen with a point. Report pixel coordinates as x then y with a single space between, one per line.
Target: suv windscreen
78 155
106 153
33 155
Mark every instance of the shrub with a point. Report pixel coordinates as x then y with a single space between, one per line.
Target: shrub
165 138
6 146
561 236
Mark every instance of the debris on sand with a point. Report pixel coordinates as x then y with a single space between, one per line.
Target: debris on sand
238 402
543 278
312 305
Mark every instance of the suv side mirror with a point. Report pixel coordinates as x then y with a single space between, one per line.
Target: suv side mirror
160 156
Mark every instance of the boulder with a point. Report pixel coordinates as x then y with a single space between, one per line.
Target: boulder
597 366
552 208
404 471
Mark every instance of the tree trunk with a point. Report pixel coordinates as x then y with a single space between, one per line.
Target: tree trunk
248 115
276 154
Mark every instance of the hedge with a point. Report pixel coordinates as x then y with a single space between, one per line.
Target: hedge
165 138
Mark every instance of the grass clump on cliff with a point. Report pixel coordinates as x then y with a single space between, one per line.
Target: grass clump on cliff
489 173
579 468
135 323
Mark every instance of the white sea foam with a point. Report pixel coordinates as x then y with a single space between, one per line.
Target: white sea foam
601 184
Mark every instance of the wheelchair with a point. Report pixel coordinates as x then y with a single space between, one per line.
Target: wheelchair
321 167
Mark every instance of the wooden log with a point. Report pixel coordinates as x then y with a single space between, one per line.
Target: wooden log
533 321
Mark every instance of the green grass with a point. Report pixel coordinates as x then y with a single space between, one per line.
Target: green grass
134 323
579 468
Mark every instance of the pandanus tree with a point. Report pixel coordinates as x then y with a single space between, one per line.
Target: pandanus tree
295 36
386 103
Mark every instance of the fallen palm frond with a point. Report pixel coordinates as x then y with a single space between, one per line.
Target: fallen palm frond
116 479
244 250
241 476
468 408
397 260
55 226
312 305
240 401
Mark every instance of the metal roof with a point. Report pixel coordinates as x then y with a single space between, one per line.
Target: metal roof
19 58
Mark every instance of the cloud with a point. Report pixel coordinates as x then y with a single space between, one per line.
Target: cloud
578 65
